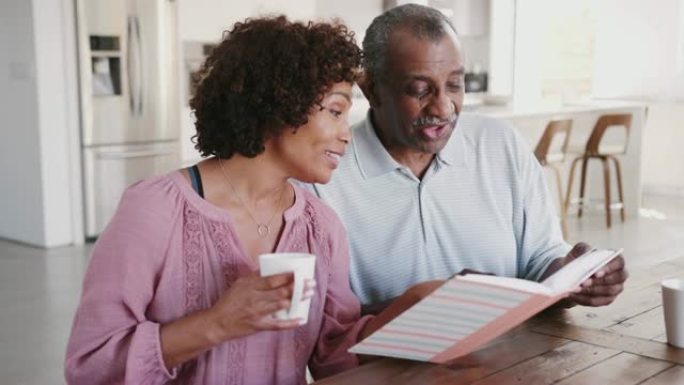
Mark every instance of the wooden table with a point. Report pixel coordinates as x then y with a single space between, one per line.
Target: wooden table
623 343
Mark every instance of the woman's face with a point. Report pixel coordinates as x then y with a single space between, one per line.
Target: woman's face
312 152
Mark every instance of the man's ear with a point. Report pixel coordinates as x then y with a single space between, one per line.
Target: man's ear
368 87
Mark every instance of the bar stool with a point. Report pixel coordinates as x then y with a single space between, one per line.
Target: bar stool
552 156
594 150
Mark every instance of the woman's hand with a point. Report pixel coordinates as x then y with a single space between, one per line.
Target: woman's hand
249 306
246 308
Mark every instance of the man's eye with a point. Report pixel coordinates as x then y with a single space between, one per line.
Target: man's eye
455 87
418 92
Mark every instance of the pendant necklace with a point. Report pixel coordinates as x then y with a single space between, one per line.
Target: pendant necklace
262 229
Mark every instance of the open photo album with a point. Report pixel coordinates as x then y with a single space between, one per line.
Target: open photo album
468 311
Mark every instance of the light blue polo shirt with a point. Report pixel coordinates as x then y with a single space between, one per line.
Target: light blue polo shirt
483 204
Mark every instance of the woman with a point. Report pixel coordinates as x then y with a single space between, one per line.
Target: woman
172 294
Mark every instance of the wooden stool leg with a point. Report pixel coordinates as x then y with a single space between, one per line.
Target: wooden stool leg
561 204
606 186
568 195
583 183
618 172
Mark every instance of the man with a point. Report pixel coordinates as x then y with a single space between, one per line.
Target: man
423 198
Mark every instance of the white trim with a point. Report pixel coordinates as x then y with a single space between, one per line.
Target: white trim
671 191
71 66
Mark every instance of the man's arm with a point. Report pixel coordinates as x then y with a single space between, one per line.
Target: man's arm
376 308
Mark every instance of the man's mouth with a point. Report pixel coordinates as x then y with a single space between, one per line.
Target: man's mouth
433 128
434 132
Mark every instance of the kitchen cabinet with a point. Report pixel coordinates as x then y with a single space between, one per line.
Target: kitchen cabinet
471 17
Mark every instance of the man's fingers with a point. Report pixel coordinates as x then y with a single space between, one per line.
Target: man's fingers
577 250
602 290
587 300
471 271
618 263
614 278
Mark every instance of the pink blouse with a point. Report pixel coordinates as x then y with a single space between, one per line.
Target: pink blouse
168 253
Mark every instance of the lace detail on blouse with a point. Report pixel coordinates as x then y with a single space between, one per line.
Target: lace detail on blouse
319 242
226 252
192 255
231 272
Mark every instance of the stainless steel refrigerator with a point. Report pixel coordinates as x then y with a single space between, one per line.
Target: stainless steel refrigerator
128 95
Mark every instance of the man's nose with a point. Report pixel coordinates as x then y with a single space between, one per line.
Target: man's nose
441 105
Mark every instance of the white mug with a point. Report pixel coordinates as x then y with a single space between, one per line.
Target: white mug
302 265
673 310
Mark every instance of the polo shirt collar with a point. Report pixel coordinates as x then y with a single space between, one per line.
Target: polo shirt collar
374 160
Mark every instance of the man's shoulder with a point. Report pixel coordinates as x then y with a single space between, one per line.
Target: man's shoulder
316 208
478 127
491 134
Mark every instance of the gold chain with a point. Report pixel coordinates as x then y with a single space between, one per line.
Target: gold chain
263 229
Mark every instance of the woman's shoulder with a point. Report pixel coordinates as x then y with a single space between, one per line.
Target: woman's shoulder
147 212
157 198
158 190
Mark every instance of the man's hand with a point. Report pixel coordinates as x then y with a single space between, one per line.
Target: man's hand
601 288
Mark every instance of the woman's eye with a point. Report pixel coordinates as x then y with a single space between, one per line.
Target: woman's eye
335 113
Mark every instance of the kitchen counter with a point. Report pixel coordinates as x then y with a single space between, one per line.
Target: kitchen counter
513 110
531 121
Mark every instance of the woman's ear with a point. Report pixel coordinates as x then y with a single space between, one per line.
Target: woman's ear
367 85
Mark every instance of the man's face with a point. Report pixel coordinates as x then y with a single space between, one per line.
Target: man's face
416 101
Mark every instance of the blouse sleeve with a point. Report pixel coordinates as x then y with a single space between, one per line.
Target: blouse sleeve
111 339
341 323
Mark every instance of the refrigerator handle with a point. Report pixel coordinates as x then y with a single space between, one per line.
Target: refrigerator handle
129 63
139 49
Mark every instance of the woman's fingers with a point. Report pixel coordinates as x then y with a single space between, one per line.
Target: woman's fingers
309 289
270 323
273 281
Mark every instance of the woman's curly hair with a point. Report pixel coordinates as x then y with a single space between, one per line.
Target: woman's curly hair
267 74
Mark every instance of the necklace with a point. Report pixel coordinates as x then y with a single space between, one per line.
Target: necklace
263 229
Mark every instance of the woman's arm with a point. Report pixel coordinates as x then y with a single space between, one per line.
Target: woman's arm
113 341
243 310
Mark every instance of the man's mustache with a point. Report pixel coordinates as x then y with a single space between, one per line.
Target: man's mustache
425 121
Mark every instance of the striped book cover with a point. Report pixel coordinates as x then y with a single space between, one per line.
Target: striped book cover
468 311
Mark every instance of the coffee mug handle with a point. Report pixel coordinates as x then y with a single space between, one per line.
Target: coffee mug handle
296 293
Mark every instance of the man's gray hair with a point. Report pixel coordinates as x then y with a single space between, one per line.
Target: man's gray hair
424 22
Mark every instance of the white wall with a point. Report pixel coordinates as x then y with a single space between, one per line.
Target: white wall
501 46
356 14
21 205
663 159
639 46
637 49
38 105
56 70
640 55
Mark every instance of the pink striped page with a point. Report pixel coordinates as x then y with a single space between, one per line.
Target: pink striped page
454 320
